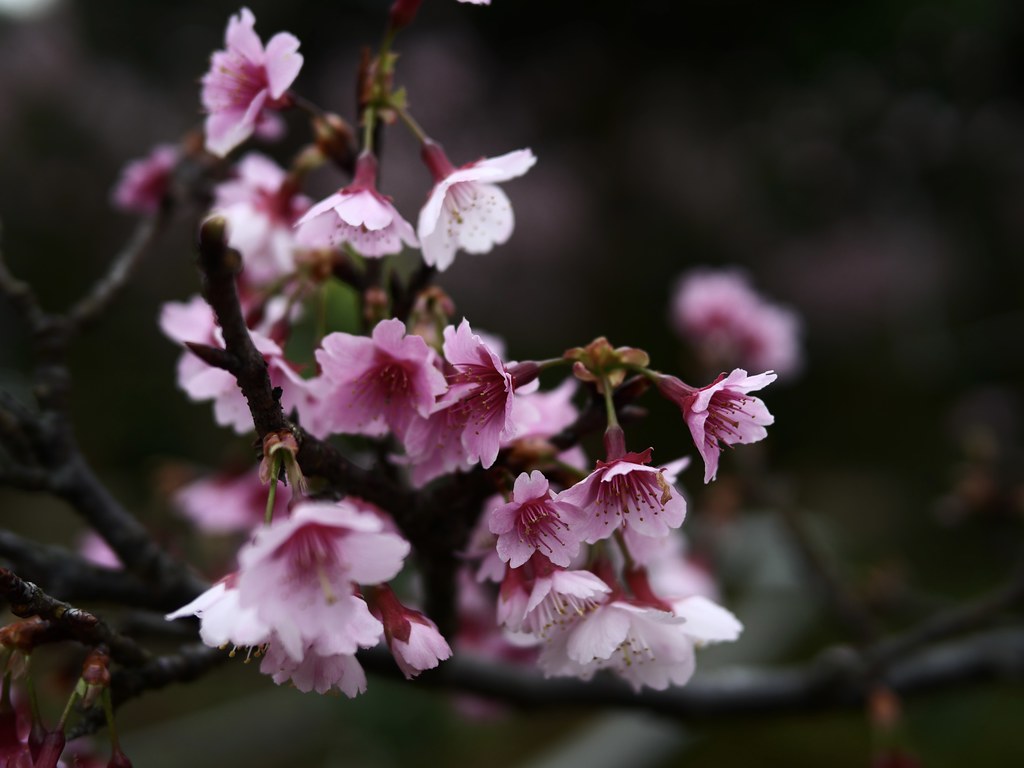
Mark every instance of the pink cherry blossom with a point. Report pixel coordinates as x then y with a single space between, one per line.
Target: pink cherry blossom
261 208
731 323
535 520
465 209
358 215
554 601
371 385
721 413
477 414
227 503
414 640
645 646
143 183
245 80
627 493
299 574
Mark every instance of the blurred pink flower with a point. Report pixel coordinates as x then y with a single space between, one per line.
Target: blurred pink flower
144 183
194 322
244 80
358 215
731 324
465 209
227 503
93 548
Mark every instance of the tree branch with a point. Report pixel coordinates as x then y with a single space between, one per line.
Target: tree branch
27 600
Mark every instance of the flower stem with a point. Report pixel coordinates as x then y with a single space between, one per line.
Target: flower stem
275 470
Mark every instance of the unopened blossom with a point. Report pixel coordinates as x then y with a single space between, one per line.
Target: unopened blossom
372 385
732 324
466 210
300 575
628 493
195 322
536 520
245 80
414 640
358 215
722 413
261 207
477 414
143 184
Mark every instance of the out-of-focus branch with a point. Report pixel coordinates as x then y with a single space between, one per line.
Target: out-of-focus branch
66 576
842 603
108 287
27 600
41 451
835 680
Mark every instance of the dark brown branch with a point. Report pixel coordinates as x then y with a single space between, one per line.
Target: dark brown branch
955 621
27 600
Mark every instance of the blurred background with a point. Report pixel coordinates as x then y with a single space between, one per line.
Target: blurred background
863 162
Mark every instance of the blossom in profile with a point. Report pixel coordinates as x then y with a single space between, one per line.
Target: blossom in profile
466 210
372 385
245 80
722 413
731 324
414 640
358 215
261 209
536 520
143 183
628 493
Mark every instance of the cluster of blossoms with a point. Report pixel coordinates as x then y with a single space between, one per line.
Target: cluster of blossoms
579 560
729 323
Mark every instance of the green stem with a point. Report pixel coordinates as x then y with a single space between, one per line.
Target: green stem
275 470
609 403
78 691
411 123
108 708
